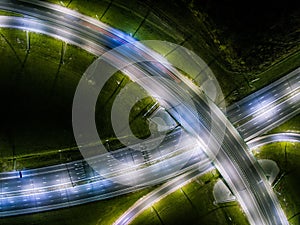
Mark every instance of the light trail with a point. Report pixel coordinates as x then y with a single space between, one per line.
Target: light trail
93 37
178 182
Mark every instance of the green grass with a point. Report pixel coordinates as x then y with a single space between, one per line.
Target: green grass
293 125
103 212
31 120
37 89
166 28
175 22
253 43
95 8
126 17
122 19
287 157
13 42
45 158
6 13
110 91
77 60
154 29
29 91
200 210
44 59
192 204
280 68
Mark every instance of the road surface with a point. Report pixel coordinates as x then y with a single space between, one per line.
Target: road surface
181 180
241 172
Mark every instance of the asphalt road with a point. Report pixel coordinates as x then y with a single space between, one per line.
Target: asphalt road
267 108
241 173
181 180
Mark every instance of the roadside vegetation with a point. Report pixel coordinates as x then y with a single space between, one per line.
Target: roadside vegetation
287 157
193 204
249 51
293 125
37 87
250 37
103 212
6 13
38 82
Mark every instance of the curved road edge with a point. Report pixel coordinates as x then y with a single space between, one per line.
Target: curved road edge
180 181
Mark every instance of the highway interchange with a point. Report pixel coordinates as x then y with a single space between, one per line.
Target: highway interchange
204 166
271 105
33 189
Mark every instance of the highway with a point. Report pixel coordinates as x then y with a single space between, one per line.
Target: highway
245 179
271 105
183 179
271 138
76 183
229 152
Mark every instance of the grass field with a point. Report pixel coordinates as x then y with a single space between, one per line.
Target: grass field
38 83
34 117
287 157
293 125
6 13
37 88
195 200
192 204
191 27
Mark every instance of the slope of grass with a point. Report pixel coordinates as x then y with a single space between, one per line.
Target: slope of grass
38 83
293 125
192 204
287 157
